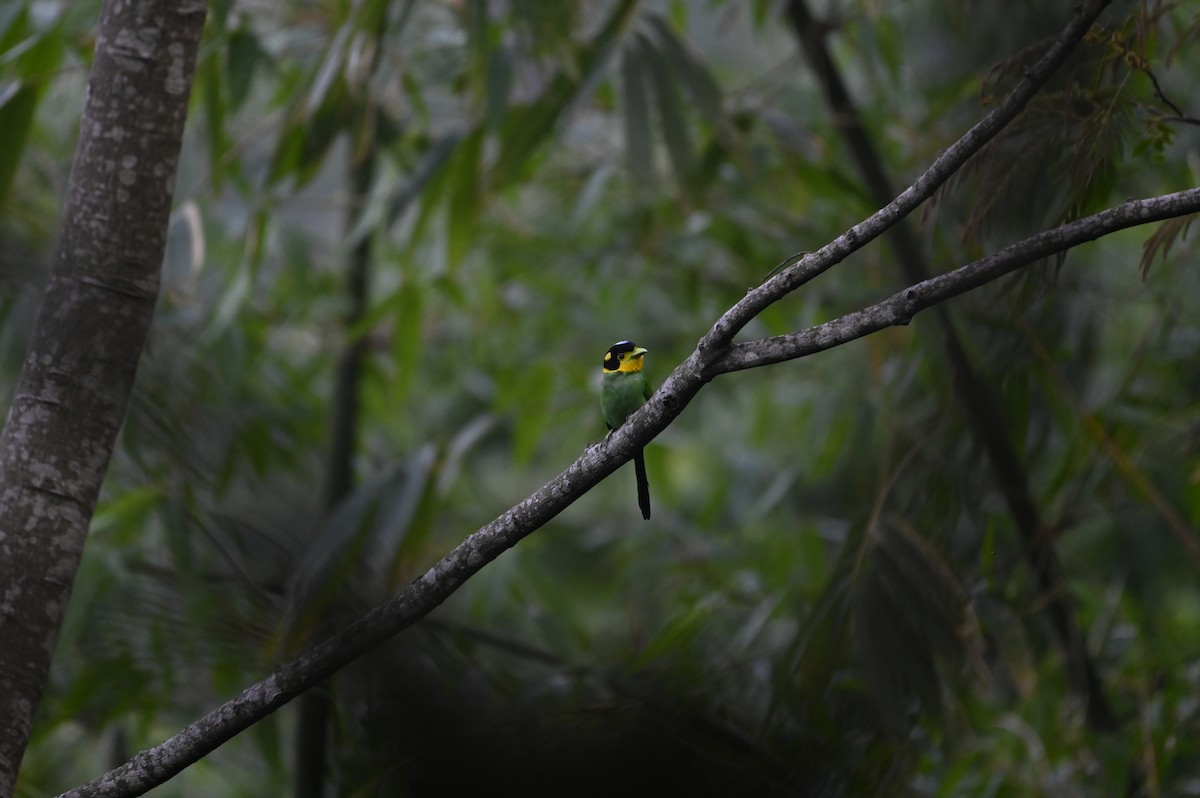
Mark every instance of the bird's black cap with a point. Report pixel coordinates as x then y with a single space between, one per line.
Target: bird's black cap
614 352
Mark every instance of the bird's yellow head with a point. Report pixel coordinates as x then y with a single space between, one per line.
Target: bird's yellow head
624 356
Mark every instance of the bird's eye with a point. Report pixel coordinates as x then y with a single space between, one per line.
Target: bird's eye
623 356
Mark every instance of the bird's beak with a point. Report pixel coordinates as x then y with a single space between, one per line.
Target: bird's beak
639 351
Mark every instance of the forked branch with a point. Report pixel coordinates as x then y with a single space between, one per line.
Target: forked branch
899 308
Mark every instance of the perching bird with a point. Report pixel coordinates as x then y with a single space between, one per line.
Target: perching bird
625 389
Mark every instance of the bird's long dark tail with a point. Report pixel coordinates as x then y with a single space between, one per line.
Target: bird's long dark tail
639 466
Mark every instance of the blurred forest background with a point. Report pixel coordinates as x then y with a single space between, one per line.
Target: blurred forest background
405 235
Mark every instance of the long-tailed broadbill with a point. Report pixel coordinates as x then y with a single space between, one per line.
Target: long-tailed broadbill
624 390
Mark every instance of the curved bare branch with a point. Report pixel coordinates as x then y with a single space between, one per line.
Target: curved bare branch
899 308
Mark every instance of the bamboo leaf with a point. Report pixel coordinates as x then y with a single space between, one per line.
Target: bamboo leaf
242 57
478 44
399 510
590 196
497 87
305 141
1162 239
17 105
238 290
329 573
670 112
527 127
328 72
37 56
699 81
214 119
548 25
427 183
127 512
635 117
406 309
465 192
14 20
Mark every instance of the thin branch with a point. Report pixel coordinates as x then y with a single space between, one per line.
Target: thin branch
899 308
156 765
1161 95
943 167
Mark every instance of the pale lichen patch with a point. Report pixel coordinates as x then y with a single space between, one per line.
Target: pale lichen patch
128 175
176 81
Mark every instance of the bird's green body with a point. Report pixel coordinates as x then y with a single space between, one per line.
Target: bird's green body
622 393
625 389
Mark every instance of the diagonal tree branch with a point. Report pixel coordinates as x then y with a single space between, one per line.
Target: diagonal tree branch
155 765
712 356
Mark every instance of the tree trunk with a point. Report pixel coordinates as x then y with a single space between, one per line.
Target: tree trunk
75 383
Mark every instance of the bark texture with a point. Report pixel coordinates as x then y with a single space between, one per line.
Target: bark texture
75 383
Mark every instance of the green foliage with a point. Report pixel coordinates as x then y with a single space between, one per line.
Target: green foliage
30 53
831 598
